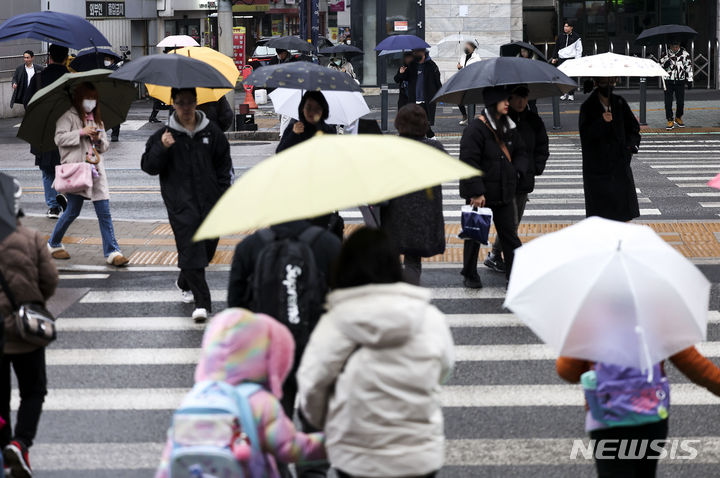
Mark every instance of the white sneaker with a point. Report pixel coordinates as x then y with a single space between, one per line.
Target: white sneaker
564 97
186 296
199 315
463 122
571 97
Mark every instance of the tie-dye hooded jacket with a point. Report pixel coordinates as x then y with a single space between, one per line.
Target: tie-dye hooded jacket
239 346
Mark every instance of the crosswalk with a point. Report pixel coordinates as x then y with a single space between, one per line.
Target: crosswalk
127 349
664 164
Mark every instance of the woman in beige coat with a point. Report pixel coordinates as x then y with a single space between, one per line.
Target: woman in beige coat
80 136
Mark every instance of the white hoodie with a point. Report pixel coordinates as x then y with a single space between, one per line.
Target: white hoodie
370 376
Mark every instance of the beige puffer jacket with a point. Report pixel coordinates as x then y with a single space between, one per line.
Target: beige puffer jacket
370 377
73 147
30 271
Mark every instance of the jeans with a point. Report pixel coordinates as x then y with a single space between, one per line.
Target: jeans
102 210
48 176
32 382
505 224
613 467
520 202
677 88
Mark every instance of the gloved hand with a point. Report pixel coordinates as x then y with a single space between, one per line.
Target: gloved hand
689 85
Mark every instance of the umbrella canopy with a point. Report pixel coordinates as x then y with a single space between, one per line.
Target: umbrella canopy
402 42
342 49
48 104
345 106
8 221
714 182
177 41
466 86
88 59
302 75
513 49
54 27
290 43
223 63
612 64
664 34
608 291
371 169
176 71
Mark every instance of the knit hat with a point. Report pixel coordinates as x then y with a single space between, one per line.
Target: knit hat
240 346
495 94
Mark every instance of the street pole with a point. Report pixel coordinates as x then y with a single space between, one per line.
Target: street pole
225 38
556 112
384 100
643 101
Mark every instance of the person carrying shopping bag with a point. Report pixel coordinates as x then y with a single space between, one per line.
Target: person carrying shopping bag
31 277
81 137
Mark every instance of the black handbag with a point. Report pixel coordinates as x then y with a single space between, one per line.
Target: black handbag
35 324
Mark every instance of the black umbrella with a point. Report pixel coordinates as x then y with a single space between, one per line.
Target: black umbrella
542 79
8 221
89 59
176 71
302 75
346 50
290 43
664 34
513 49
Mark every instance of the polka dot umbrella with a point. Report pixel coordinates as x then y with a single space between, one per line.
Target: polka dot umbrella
302 75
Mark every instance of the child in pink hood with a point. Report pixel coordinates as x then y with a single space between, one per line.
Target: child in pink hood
239 346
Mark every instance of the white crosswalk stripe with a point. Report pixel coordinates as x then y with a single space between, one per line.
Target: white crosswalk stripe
489 343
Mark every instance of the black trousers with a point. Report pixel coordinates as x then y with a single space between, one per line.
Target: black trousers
676 88
504 217
613 467
412 269
194 279
32 381
115 132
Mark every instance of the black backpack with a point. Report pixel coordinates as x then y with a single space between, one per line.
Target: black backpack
287 283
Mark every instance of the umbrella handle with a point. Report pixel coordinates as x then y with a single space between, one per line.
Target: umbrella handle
645 350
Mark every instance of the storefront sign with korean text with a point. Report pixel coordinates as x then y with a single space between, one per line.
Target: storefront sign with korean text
104 9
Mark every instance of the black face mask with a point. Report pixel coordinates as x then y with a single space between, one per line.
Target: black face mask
419 58
467 51
605 90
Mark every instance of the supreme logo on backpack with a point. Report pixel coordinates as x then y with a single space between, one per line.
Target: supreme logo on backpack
287 284
213 433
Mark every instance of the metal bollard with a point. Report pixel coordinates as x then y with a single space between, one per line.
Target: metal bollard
384 101
643 101
556 112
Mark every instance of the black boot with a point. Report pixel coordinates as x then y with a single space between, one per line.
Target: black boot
471 249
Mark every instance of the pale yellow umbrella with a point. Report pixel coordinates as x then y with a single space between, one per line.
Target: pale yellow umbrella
223 63
329 173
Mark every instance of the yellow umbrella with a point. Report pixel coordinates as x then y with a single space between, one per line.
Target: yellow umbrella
223 63
329 173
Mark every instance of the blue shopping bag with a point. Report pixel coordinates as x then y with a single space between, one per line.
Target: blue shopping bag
475 224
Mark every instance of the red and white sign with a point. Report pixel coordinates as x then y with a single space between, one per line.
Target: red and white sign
239 48
401 26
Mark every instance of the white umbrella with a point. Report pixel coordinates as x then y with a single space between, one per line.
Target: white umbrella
345 106
608 291
612 64
179 41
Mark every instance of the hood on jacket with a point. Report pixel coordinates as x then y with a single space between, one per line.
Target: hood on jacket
489 117
379 315
239 346
202 123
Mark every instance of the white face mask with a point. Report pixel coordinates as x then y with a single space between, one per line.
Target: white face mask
107 63
347 41
89 105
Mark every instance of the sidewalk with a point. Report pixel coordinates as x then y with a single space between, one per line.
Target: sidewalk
152 243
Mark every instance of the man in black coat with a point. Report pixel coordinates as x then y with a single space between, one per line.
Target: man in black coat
423 78
192 157
57 56
609 135
22 78
485 145
533 133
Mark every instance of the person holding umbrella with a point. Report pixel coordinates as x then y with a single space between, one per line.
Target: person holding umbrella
81 137
678 64
281 56
192 158
609 136
492 144
313 111
401 81
468 57
423 77
533 133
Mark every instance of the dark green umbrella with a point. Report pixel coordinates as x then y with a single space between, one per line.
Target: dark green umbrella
48 104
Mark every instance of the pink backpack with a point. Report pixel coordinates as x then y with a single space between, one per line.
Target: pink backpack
73 177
